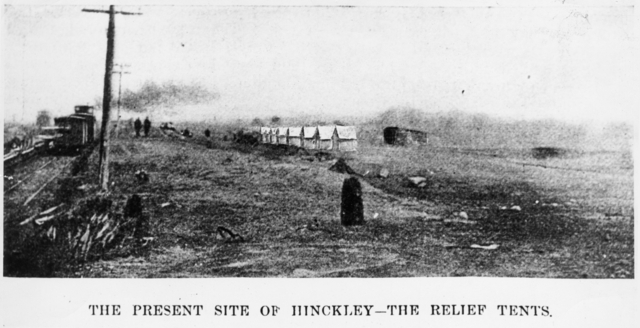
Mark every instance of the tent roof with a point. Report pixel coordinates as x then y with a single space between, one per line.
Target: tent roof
309 131
295 132
346 132
325 132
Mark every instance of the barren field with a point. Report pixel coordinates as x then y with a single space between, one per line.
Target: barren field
488 212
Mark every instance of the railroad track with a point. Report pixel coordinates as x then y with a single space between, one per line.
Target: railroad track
20 156
15 158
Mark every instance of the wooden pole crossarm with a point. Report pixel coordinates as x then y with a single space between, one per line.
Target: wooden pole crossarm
106 12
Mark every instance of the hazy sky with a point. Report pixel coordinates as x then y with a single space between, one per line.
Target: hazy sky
558 61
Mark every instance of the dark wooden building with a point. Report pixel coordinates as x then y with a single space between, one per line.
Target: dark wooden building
400 136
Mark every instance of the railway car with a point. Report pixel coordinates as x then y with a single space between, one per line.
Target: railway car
75 131
68 137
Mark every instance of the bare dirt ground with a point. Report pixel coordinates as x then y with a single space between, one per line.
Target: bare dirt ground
286 208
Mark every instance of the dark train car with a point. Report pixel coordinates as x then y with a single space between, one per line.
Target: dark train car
75 131
68 137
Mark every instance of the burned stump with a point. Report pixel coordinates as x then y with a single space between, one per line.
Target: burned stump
547 152
133 209
352 210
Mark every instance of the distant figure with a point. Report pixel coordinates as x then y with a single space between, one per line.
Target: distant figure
147 126
186 133
207 133
137 125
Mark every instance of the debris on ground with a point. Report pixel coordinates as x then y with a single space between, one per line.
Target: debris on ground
487 247
45 219
142 176
84 187
147 240
547 152
384 173
227 161
228 235
322 156
315 226
459 220
28 220
51 209
419 182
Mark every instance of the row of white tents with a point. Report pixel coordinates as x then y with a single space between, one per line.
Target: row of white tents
342 138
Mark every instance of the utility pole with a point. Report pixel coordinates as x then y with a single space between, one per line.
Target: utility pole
120 72
106 98
24 45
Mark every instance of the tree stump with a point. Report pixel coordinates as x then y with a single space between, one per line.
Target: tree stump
352 210
133 209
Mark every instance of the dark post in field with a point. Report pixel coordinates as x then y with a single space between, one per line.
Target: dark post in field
352 210
134 209
106 97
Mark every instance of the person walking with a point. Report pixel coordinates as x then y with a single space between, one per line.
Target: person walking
147 126
137 125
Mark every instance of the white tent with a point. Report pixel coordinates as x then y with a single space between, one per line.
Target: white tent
295 137
282 135
326 138
309 137
265 134
347 140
